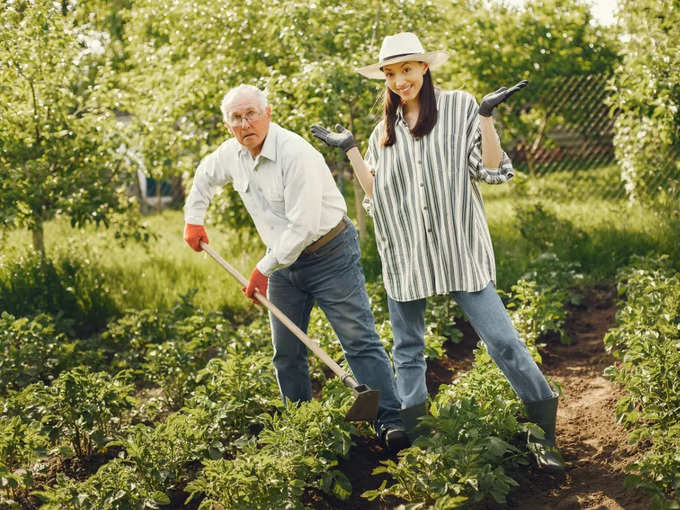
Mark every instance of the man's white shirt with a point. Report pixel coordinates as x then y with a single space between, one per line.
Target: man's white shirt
287 189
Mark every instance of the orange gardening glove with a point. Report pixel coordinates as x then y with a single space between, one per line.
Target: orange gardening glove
194 234
258 282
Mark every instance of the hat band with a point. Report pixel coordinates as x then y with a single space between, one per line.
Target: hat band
396 56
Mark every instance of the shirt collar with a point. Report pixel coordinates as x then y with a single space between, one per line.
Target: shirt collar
400 114
268 147
400 108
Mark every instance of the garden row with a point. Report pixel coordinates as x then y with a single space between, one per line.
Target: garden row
180 407
646 343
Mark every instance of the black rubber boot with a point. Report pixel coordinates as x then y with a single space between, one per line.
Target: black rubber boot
409 418
544 414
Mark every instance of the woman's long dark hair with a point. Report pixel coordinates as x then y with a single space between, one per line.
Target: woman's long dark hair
427 117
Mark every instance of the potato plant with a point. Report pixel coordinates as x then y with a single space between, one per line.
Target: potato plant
646 343
231 396
84 409
298 448
32 350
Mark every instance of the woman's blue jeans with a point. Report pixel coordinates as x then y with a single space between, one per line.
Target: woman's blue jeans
487 315
333 278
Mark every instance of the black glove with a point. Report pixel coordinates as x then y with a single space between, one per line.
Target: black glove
343 139
490 101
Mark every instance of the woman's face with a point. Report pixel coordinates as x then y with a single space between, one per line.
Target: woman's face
405 79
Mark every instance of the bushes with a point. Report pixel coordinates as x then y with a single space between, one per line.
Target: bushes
71 290
647 344
297 449
464 457
86 408
31 351
647 96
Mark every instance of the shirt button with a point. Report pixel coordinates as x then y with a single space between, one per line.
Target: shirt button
421 185
424 208
429 230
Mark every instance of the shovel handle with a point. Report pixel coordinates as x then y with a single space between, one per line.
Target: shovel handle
347 379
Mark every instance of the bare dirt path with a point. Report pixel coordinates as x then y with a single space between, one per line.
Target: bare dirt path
594 446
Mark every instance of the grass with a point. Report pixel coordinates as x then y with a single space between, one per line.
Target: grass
154 274
600 234
613 229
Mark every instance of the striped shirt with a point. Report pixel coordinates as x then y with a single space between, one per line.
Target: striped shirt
428 213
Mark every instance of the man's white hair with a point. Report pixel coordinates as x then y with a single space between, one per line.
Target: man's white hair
238 90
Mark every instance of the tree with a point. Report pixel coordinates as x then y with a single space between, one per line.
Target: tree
185 57
59 141
544 41
646 88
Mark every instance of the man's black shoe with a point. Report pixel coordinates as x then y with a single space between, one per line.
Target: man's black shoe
395 439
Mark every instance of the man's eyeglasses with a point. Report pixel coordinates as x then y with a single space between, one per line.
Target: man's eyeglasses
236 120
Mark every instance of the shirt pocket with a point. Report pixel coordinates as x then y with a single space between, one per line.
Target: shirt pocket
275 199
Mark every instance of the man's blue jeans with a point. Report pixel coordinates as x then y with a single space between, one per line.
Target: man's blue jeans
332 276
487 315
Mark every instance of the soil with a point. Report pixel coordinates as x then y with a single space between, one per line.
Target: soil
594 445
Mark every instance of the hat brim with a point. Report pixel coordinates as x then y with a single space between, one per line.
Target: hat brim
433 58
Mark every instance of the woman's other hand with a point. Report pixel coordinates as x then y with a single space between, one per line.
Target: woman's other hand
343 138
490 101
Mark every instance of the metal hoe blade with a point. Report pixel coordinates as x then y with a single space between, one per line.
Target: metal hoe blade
365 407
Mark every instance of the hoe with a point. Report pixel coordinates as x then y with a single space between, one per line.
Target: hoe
365 407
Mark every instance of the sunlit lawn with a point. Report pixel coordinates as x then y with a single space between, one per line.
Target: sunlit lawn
155 274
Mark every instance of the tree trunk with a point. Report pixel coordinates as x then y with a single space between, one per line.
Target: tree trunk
137 190
38 239
158 195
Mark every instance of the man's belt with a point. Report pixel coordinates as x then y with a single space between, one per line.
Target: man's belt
327 237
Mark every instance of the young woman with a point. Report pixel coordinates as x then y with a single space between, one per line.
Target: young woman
420 176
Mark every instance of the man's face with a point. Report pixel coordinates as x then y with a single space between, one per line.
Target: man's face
248 122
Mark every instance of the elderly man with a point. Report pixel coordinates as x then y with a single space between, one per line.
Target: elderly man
312 248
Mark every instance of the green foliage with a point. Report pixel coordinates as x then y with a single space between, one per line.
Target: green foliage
537 311
499 45
161 455
20 445
440 322
646 342
463 457
71 289
31 351
19 442
646 96
59 138
236 392
298 448
116 486
166 343
457 464
546 232
232 396
85 409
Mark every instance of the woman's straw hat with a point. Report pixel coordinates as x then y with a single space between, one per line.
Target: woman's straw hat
402 47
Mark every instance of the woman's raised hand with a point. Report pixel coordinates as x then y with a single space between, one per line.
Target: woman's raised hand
343 138
490 101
